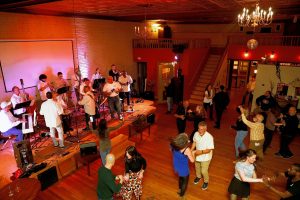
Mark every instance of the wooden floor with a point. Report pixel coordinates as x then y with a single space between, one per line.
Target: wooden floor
160 182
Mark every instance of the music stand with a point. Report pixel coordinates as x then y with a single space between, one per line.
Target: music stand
22 105
63 90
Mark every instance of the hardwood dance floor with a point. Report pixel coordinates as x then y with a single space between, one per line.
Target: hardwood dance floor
160 182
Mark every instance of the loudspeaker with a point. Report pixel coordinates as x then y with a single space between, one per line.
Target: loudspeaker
48 177
88 148
23 153
151 118
149 95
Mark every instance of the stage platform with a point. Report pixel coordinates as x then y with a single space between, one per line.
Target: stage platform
66 160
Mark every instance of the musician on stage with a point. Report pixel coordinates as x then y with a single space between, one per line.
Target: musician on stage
44 86
85 82
60 82
114 72
9 122
88 102
52 111
96 75
76 81
125 80
66 119
112 89
17 98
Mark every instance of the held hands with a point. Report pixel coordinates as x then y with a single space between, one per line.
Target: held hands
120 178
126 177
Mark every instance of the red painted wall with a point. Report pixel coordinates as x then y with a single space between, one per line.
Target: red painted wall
282 53
189 61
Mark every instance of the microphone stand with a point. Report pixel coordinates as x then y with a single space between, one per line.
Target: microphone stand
70 137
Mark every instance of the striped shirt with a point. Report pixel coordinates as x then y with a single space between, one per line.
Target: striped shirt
256 129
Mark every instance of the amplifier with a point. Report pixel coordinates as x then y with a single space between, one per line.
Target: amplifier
23 153
88 148
48 177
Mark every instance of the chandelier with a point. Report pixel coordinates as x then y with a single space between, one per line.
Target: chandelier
256 18
142 32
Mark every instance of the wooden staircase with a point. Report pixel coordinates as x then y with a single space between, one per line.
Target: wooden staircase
204 79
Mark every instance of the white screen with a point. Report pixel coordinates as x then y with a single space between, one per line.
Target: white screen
28 59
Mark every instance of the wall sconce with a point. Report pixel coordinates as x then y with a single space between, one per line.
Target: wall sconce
246 53
272 55
155 27
255 71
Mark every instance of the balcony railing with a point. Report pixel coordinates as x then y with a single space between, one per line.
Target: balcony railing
171 43
266 40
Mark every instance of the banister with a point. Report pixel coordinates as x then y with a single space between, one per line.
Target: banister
196 75
169 43
220 63
266 40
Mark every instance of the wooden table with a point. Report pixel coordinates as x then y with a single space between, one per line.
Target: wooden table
23 188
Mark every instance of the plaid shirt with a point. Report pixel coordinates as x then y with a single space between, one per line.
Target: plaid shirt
256 129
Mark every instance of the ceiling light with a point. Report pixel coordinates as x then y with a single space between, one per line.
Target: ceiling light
256 18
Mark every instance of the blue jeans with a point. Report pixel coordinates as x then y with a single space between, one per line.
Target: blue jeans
14 131
114 105
103 156
239 141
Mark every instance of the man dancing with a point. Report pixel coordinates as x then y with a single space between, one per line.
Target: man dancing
112 89
52 111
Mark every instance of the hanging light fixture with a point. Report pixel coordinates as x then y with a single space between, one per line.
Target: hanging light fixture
252 44
256 18
142 32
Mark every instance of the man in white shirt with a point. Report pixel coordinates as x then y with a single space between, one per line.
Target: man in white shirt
112 89
85 82
52 111
125 80
43 87
203 142
60 82
95 79
88 102
8 122
17 98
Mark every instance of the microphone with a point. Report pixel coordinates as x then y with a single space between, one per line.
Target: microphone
21 81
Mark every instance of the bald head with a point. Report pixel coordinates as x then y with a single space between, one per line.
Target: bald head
110 159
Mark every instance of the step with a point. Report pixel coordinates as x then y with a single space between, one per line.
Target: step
119 144
193 96
195 101
197 92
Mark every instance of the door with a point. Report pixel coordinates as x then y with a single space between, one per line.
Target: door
166 72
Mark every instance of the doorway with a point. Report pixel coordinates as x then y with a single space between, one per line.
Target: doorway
166 71
141 77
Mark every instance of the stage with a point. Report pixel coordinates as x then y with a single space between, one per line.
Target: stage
66 160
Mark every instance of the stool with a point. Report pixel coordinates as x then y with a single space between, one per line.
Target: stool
87 160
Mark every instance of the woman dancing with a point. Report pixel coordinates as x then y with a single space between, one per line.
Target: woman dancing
181 155
244 174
